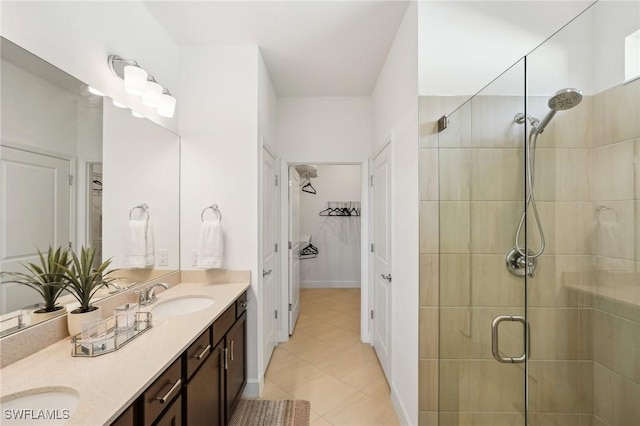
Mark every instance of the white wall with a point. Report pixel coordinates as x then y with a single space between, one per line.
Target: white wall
466 44
337 238
324 129
141 165
267 108
26 99
77 37
395 110
219 130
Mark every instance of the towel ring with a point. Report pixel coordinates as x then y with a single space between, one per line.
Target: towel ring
144 207
601 209
214 208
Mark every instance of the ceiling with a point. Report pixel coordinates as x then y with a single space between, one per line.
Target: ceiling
311 48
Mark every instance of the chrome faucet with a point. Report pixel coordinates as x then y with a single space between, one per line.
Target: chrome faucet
116 287
147 295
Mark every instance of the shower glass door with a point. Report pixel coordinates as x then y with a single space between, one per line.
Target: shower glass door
482 373
583 300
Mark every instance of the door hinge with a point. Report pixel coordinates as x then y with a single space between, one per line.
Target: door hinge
276 314
372 248
372 314
371 180
289 307
276 176
276 247
70 180
290 245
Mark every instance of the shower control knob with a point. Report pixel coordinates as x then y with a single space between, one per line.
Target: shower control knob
518 265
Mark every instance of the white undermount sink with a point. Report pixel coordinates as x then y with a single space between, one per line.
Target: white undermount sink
50 406
180 306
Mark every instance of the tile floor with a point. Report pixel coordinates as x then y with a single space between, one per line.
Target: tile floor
325 363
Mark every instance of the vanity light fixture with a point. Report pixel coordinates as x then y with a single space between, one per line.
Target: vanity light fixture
167 105
138 82
94 91
152 94
118 104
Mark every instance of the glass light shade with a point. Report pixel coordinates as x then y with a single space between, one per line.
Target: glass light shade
118 104
135 80
136 114
94 91
152 94
167 106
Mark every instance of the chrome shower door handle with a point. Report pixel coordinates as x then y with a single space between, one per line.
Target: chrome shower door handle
494 339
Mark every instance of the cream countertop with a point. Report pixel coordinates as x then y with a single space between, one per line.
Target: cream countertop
109 383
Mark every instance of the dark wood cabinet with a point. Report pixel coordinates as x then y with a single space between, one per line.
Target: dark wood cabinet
127 418
236 366
204 392
173 416
204 385
159 395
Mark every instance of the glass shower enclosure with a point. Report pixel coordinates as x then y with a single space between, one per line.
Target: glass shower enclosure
533 291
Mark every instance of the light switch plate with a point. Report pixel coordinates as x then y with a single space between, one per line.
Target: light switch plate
163 258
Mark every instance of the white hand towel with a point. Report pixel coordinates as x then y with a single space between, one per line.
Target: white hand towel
211 246
139 244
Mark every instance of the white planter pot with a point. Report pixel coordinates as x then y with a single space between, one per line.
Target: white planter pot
75 321
37 317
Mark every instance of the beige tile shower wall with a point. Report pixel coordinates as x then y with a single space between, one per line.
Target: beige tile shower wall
615 249
431 108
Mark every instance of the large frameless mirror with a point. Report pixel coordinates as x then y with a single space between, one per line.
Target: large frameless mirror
74 170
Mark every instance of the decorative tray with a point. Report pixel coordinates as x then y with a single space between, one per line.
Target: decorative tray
106 337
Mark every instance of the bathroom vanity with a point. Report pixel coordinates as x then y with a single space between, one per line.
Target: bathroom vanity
189 368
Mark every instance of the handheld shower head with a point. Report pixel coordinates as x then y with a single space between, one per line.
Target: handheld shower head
563 100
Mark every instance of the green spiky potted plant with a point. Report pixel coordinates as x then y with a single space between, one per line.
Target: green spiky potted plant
45 278
82 280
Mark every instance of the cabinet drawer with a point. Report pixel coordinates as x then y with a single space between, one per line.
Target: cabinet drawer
198 352
223 324
159 395
241 304
173 416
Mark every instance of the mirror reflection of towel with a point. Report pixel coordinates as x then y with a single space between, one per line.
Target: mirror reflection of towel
140 252
211 245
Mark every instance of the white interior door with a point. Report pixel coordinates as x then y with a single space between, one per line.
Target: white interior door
269 255
294 244
34 214
382 335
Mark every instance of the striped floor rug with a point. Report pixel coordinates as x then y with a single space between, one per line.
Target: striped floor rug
254 412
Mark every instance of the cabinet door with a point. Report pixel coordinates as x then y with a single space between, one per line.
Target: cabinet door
127 418
204 392
236 373
173 416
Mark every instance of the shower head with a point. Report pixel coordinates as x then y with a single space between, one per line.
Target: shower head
563 100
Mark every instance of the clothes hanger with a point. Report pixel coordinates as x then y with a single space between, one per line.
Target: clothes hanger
309 188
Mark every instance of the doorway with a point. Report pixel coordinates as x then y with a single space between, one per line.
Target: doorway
331 251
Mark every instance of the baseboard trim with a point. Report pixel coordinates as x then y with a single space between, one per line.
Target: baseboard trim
254 387
329 284
401 412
